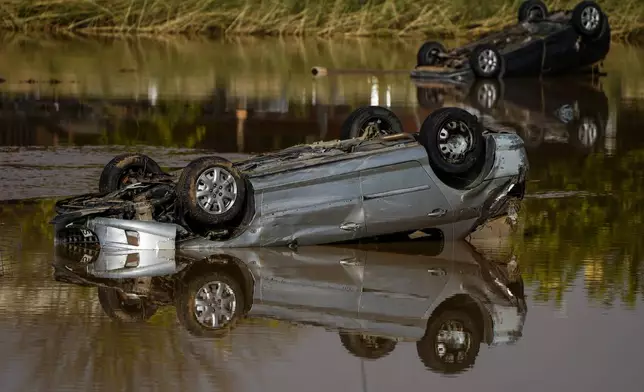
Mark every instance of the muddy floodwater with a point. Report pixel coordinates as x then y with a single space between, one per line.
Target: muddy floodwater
67 105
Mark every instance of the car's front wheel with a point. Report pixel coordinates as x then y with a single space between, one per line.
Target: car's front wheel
451 342
587 18
486 61
454 141
211 190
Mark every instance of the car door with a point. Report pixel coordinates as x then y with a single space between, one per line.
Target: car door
398 289
310 285
562 51
318 204
400 197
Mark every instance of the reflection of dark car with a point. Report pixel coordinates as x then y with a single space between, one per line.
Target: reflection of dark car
571 110
453 171
541 43
442 295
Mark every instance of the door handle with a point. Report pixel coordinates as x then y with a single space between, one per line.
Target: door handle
437 272
349 226
437 213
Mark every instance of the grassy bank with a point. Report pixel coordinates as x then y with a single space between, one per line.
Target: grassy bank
457 18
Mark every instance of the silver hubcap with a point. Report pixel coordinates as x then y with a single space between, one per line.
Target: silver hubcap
487 95
215 304
453 342
488 61
590 18
216 190
587 132
454 140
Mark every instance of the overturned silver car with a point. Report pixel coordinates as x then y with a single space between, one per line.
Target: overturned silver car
453 175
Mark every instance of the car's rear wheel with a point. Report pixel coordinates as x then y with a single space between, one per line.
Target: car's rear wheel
211 191
209 305
370 122
454 141
120 308
126 169
588 18
428 53
486 61
532 11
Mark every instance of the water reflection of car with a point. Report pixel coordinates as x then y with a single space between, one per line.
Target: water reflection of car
444 296
572 110
542 42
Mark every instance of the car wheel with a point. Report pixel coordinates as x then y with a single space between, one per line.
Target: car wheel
367 346
585 132
453 140
451 342
486 61
428 53
120 308
211 191
486 93
587 18
209 304
126 169
532 11
370 122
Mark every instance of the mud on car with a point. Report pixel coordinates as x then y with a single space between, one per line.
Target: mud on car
377 181
542 42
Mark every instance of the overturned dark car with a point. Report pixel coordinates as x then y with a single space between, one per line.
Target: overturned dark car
452 173
541 43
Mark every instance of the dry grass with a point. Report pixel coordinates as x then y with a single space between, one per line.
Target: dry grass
457 18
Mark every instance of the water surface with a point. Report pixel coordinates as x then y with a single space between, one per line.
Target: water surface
69 105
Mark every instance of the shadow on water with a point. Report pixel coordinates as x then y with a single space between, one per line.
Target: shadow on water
67 106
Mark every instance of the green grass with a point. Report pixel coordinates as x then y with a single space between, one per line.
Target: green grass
289 17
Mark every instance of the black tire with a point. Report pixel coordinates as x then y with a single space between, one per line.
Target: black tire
385 121
591 28
187 187
367 347
186 308
486 53
126 169
430 136
119 308
427 54
427 347
532 10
